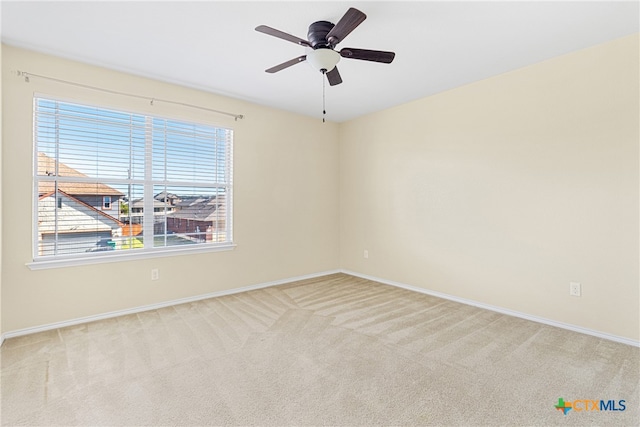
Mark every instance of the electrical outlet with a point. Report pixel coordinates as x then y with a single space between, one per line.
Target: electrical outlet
155 274
366 254
575 289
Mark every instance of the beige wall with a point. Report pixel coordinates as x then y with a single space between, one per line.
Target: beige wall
506 190
1 223
285 213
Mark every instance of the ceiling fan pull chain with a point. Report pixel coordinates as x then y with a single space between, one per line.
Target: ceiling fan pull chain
324 111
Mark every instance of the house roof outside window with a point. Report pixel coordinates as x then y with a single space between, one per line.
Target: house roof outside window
47 166
201 208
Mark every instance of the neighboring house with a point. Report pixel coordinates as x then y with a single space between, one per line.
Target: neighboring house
81 227
86 213
98 195
194 218
200 218
160 209
170 198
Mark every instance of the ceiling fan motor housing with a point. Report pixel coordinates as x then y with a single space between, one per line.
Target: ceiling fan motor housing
317 34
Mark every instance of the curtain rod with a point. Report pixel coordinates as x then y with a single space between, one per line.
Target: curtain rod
27 75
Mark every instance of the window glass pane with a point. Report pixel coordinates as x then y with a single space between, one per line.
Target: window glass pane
90 142
190 215
185 152
131 211
69 224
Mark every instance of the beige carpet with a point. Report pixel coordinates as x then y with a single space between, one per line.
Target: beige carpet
336 350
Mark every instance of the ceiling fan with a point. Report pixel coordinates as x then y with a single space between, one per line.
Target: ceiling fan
323 36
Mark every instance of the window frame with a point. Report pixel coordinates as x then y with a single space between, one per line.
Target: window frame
65 260
106 205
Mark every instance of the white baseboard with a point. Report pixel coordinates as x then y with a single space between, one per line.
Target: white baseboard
501 310
87 319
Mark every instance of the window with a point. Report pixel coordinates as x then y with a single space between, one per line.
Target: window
149 172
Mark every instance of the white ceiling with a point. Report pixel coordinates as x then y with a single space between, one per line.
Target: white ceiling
212 45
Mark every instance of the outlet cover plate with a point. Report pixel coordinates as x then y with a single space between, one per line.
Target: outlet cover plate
575 289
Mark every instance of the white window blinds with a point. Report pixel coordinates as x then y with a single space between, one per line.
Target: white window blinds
108 181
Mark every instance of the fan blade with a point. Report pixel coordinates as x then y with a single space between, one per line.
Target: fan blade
368 55
334 77
347 23
281 35
287 64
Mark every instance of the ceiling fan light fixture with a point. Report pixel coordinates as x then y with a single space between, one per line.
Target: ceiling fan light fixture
323 59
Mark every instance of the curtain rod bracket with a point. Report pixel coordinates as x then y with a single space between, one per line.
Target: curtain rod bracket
25 75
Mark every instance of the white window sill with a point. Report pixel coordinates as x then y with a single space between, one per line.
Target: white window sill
121 256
